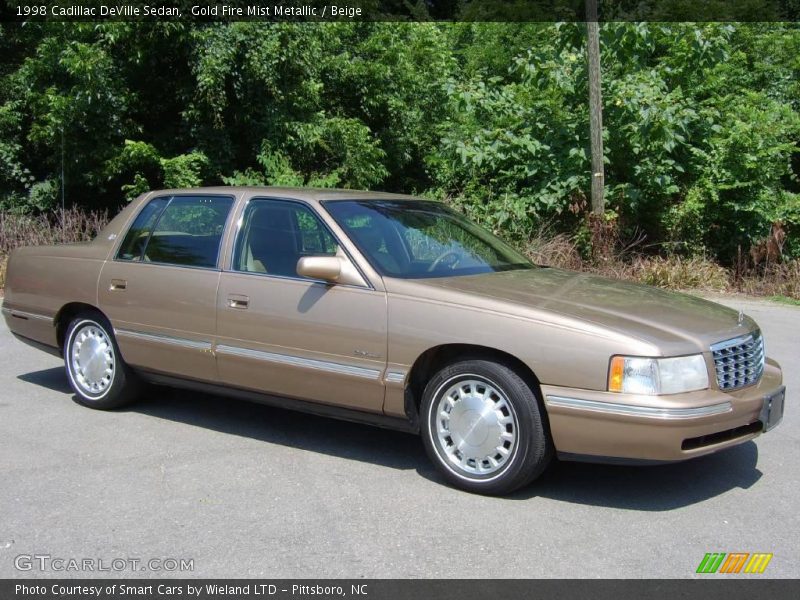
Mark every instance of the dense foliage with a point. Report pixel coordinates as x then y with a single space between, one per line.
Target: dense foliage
702 122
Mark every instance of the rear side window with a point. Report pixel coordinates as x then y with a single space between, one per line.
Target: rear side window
136 239
186 231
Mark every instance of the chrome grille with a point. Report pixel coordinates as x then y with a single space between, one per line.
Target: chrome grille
739 362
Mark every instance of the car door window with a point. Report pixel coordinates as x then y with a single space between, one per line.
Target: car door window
182 230
275 234
136 238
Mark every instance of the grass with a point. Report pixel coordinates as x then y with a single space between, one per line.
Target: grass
785 300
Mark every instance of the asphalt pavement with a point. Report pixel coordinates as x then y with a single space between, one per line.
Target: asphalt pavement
235 489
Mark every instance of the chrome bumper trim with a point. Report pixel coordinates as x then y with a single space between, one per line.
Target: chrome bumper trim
297 361
640 411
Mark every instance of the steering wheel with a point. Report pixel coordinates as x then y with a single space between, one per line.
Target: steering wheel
440 259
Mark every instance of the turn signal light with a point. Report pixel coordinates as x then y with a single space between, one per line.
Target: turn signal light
615 374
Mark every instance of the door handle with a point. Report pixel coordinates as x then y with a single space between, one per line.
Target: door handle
118 284
238 301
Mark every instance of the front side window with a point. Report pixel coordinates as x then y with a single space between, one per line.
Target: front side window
419 239
275 234
179 230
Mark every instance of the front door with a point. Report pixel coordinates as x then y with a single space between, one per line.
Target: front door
286 335
160 290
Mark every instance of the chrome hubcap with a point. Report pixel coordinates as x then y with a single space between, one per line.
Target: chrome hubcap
92 359
476 427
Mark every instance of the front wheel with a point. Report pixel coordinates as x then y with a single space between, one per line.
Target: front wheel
95 368
483 427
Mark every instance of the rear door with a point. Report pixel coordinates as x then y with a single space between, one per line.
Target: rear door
160 289
286 335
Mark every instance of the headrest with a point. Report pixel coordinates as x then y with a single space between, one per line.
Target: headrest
272 218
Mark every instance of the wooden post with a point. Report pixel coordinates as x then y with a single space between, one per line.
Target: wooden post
595 107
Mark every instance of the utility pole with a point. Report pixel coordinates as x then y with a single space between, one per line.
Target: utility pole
595 107
63 198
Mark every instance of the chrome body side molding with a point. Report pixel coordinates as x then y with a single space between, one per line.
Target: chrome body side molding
163 339
297 361
21 314
395 376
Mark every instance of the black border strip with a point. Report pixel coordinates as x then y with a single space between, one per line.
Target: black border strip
711 588
400 10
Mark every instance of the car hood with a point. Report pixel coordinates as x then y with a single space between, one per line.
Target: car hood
674 322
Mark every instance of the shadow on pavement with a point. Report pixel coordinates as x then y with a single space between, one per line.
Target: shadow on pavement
653 488
649 488
53 379
289 428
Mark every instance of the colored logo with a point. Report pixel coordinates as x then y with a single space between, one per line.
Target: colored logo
734 562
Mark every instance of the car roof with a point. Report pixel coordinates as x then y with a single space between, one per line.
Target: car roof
298 193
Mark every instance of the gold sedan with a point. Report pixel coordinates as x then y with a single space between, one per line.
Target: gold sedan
395 311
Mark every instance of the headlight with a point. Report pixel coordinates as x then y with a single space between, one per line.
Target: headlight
655 376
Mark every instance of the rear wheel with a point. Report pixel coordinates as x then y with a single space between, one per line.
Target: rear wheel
95 368
483 428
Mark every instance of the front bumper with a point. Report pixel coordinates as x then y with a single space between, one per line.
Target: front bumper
611 427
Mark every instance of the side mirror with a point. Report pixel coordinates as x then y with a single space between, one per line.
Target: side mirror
333 269
327 268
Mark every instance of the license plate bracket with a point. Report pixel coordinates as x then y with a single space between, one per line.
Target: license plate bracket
772 410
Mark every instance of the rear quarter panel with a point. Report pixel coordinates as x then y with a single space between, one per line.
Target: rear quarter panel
41 280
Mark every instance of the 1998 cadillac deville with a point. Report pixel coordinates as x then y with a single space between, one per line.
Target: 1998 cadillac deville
395 311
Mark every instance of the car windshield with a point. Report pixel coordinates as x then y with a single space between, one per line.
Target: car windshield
421 239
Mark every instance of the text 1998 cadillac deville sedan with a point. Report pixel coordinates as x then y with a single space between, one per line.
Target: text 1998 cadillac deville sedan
394 311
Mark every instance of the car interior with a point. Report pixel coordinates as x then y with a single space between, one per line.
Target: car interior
270 244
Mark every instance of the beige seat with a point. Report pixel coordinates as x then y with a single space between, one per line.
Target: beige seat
272 242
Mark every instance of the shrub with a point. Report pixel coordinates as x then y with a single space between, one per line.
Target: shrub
682 273
777 280
68 226
557 250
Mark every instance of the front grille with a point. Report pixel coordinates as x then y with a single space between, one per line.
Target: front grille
739 362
